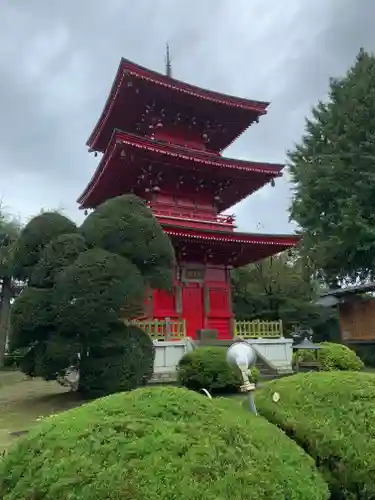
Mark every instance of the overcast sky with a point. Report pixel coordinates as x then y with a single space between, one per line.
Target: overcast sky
58 60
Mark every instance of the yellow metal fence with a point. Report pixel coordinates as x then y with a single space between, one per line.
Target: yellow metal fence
258 329
163 329
175 329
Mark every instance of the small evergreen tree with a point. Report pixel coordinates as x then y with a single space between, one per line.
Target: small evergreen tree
333 170
83 284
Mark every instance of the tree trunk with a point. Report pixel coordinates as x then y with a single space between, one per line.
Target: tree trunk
6 295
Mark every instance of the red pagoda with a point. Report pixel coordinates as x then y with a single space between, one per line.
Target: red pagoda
162 140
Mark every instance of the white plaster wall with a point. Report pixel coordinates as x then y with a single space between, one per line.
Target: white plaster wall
278 352
167 356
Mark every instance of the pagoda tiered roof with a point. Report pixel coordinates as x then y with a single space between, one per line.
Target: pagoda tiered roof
138 93
162 140
135 163
239 248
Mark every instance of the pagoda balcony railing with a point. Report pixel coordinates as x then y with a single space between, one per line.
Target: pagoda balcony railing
258 329
190 215
175 329
162 329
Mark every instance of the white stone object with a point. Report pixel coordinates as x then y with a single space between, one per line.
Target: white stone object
241 354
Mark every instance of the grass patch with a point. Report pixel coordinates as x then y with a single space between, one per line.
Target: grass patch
23 401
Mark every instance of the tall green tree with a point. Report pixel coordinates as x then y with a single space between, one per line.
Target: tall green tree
82 283
9 229
333 171
277 288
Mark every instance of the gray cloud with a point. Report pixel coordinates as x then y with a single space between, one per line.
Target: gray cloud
58 59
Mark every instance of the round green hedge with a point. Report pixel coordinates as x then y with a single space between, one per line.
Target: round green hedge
126 226
207 368
34 237
49 359
332 356
31 317
158 444
96 290
331 415
58 254
123 361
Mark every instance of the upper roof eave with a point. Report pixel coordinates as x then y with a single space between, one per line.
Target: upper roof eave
118 137
172 83
157 78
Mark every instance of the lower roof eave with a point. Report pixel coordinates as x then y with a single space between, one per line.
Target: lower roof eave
231 236
233 248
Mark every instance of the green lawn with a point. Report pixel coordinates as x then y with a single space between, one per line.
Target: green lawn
24 401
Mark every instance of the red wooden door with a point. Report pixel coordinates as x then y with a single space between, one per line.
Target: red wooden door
192 308
220 314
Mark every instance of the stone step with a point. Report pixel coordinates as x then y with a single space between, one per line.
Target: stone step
264 368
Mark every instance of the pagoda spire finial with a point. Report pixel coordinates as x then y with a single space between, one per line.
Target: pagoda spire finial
168 63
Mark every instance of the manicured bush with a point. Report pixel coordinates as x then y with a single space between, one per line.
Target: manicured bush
123 361
158 444
126 226
207 368
81 283
40 350
331 415
98 288
332 356
31 317
34 237
58 254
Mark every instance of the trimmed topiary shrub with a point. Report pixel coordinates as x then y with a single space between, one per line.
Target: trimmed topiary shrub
31 317
81 284
34 237
126 226
58 254
331 415
122 362
158 444
95 291
207 368
332 357
40 350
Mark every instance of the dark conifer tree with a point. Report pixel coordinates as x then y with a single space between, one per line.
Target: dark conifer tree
333 171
